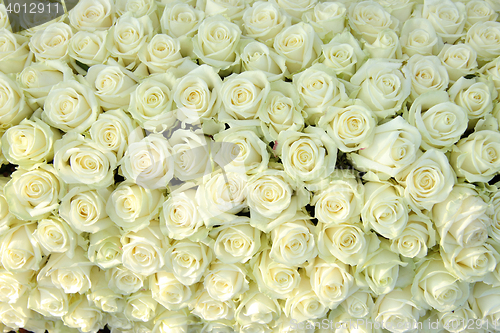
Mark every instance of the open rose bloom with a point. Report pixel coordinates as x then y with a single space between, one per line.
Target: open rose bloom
250 166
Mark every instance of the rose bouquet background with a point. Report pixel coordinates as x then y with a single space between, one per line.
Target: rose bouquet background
250 166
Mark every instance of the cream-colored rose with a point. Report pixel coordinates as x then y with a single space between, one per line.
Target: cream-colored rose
29 143
13 105
242 95
16 315
236 242
139 8
386 46
257 56
303 304
440 121
394 146
367 19
188 260
101 295
14 52
484 301
55 235
105 248
351 125
380 271
241 149
123 281
14 285
477 157
197 94
132 207
341 201
112 85
456 321
216 42
280 111
232 9
332 282
308 157
88 48
400 9
447 17
293 242
149 162
264 20
327 19
484 38
296 9
161 53
418 36
48 301
397 312
459 60
20 251
169 292
140 306
144 250
151 104
93 15
82 314
475 97
274 279
81 161
318 88
71 106
52 42
471 264
34 194
345 242
299 45
257 308
180 19
69 274
343 55
461 220
434 286
426 74
385 209
174 321
224 282
210 309
180 217
479 11
359 304
416 238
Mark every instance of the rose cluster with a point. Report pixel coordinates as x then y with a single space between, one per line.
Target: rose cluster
249 166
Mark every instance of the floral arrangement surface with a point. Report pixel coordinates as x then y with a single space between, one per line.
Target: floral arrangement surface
250 166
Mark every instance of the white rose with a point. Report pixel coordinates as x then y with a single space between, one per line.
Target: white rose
264 20
132 207
416 238
210 309
476 157
20 250
341 201
400 9
161 53
299 45
151 104
475 97
181 19
180 217
48 301
479 11
236 243
139 8
124 281
258 56
143 250
440 121
459 60
471 264
80 161
34 194
55 235
112 85
149 162
224 282
188 260
461 220
101 295
170 292
447 17
29 143
13 105
88 48
69 274
52 42
71 106
303 304
16 315
105 248
274 279
232 9
295 8
216 42
280 111
14 52
82 314
140 306
480 38
484 302
343 55
197 94
346 242
426 74
434 286
257 308
367 19
394 146
386 46
456 321
351 127
174 321
418 36
327 19
318 88
14 285
359 304
93 15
